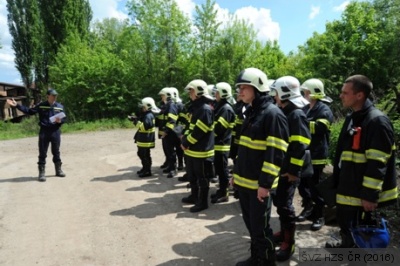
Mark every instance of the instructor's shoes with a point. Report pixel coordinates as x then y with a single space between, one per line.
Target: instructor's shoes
42 179
317 224
145 174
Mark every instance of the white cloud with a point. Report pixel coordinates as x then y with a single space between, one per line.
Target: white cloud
341 7
314 12
262 21
107 9
186 6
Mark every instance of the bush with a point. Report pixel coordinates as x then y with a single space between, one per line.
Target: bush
335 131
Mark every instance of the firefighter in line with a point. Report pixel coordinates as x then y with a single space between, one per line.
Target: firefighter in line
288 97
49 130
364 168
263 142
179 126
145 135
224 118
320 119
169 137
198 145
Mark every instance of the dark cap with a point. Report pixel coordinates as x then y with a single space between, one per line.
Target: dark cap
52 92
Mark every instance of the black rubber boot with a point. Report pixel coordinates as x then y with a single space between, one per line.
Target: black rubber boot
253 257
42 177
202 202
306 212
286 248
59 172
222 195
193 197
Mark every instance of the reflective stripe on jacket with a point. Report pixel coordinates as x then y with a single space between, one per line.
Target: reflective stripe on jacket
263 142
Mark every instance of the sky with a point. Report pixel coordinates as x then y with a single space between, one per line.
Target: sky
290 22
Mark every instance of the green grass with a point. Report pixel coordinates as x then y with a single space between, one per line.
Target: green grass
29 127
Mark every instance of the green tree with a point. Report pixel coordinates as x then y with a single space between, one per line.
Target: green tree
24 26
164 31
60 19
205 36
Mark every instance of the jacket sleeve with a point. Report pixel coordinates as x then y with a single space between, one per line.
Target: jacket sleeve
379 148
276 146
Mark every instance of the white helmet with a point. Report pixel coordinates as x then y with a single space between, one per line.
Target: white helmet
316 88
149 105
254 77
224 90
288 88
175 95
167 92
210 88
200 88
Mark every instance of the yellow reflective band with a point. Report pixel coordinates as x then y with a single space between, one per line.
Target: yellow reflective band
169 125
191 126
325 122
347 200
270 168
151 130
377 155
253 144
199 154
388 195
233 133
191 139
275 183
353 157
300 139
372 183
277 143
312 127
223 122
145 144
160 132
319 162
221 147
174 117
244 182
236 141
203 126
238 121
295 161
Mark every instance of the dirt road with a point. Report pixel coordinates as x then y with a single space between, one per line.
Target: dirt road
103 214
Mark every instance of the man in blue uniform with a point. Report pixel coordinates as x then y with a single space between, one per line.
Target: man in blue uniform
51 117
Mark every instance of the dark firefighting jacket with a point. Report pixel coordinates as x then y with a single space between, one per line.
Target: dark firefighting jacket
263 142
366 172
161 119
299 140
199 138
145 135
168 118
320 119
239 108
45 111
223 124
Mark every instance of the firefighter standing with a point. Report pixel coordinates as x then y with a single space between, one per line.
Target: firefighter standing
288 97
49 131
223 123
320 118
145 135
263 141
168 135
198 145
364 167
